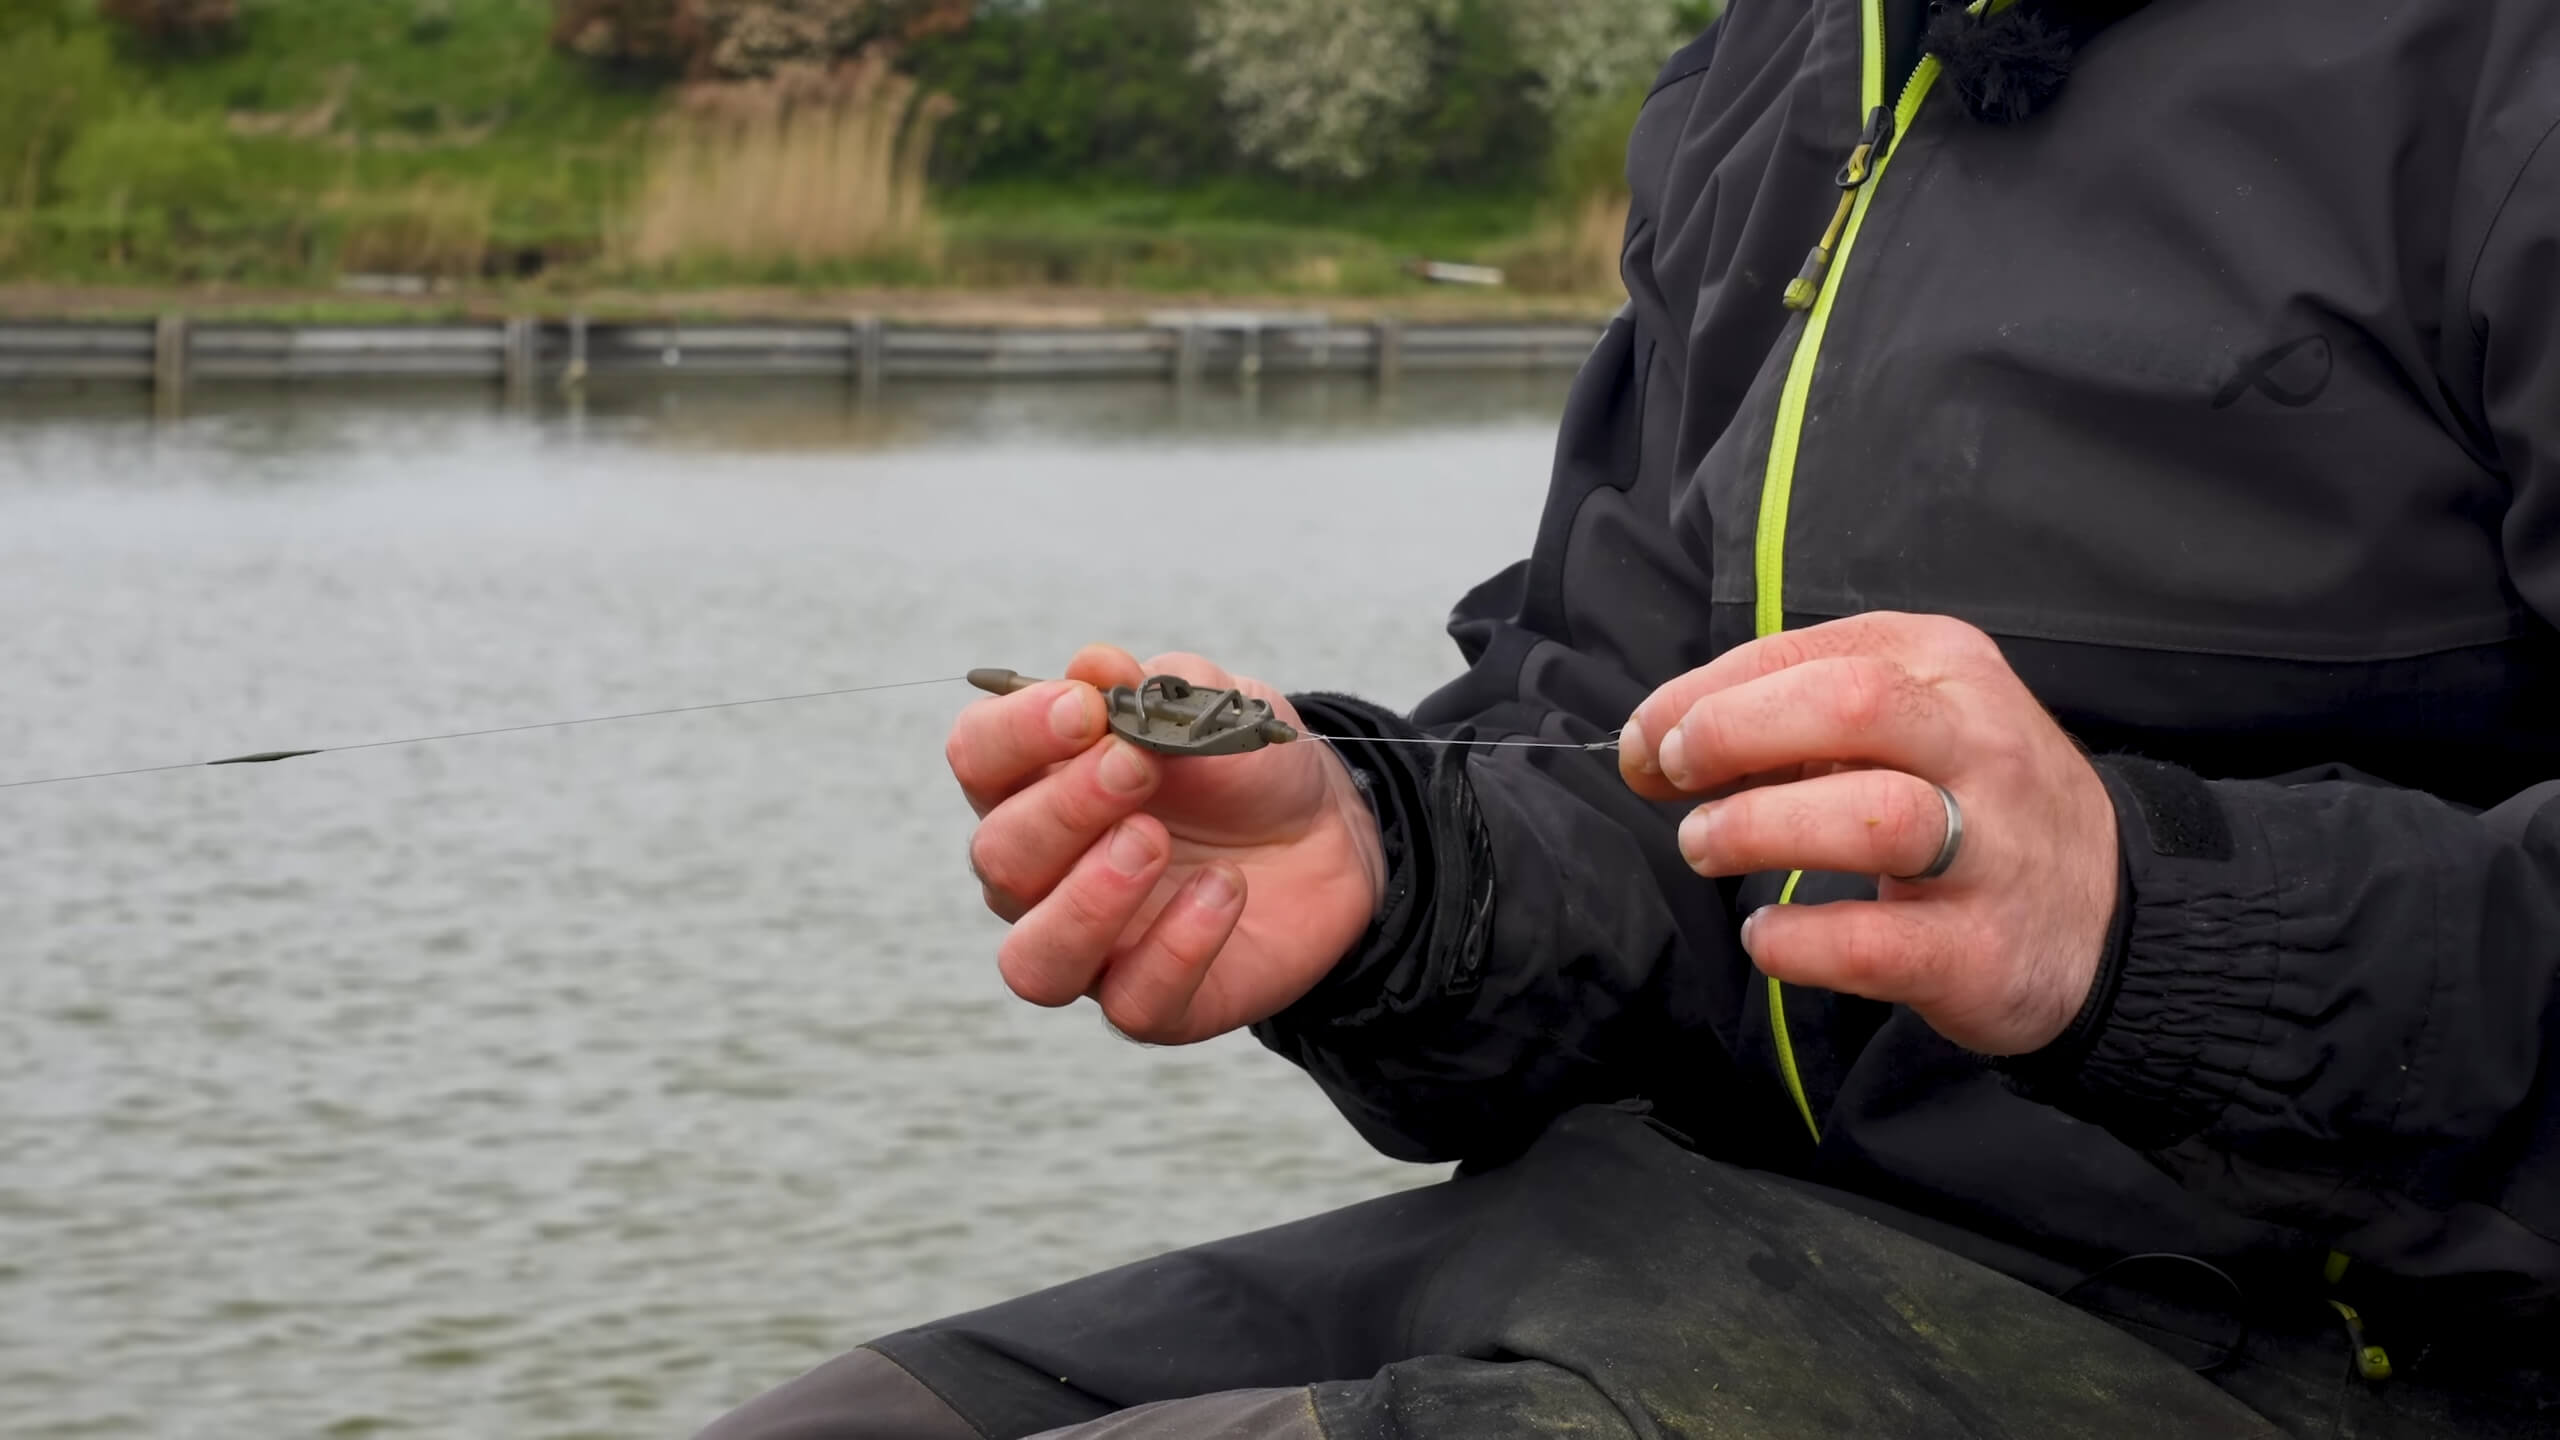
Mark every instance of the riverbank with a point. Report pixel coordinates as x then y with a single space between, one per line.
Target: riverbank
305 142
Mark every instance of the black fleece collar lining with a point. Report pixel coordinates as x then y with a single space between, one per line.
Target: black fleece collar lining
2008 65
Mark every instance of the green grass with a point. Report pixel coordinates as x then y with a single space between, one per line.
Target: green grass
1445 224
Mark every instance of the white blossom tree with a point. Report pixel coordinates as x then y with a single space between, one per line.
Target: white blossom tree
1315 85
1583 50
1319 87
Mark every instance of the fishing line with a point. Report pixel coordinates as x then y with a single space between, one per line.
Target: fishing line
271 757
1594 748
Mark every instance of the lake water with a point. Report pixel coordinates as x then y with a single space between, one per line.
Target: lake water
582 1083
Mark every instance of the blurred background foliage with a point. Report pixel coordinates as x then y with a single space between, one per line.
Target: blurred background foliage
1279 146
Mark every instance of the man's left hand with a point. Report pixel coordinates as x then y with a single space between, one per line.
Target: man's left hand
1821 749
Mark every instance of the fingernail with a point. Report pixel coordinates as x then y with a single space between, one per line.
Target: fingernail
1124 770
1071 717
1674 758
1131 851
1215 890
1751 926
1693 837
1632 742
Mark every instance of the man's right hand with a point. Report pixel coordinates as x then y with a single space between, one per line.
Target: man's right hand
1189 897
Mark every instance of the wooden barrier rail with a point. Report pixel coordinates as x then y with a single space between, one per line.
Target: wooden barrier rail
174 351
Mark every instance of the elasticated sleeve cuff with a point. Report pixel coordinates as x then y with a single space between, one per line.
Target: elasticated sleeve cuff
1428 933
2180 1005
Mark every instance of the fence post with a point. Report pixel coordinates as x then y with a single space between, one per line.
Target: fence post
870 355
1190 353
576 374
169 364
515 358
1390 333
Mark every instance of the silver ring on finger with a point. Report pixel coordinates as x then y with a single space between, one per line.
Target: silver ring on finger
1950 848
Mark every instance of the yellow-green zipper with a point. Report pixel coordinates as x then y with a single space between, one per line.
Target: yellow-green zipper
1778 1027
1769 560
1817 290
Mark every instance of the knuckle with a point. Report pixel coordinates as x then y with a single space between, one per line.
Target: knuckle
1085 907
1137 1019
1789 649
962 757
1070 803
1024 974
1960 641
1905 809
1084 804
1798 821
996 864
1866 954
2011 750
1860 696
1928 966
1667 710
1887 630
1739 829
1703 732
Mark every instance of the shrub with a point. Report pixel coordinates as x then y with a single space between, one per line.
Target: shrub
142 162
628 34
1317 87
744 39
1590 153
57 82
1479 123
1584 50
144 184
1079 87
174 24
1466 90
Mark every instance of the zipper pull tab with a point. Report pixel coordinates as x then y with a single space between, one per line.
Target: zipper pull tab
1873 141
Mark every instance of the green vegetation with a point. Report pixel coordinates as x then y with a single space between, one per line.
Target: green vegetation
1081 143
318 137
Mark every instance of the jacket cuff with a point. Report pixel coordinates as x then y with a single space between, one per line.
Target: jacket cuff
2060 1060
1428 938
2180 1005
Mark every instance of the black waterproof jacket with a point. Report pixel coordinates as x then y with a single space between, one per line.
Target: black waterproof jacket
2225 393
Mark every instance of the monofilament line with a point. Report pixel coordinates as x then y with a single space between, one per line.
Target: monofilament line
1594 748
271 757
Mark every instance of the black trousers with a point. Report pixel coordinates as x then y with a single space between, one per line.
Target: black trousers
1609 1283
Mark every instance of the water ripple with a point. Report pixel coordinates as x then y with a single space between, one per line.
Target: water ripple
582 1084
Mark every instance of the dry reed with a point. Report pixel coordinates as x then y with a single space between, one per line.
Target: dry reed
806 166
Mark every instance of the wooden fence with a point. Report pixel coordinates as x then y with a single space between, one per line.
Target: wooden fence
172 352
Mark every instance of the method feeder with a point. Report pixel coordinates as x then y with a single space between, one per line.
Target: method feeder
1171 716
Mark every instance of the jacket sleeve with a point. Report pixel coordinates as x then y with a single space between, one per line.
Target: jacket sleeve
1537 946
1542 945
2336 1003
